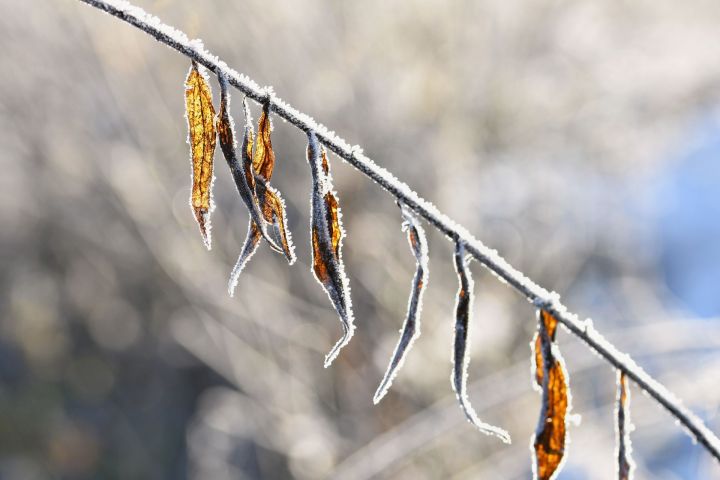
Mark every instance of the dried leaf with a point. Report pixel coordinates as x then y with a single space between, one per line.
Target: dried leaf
327 235
271 204
267 208
264 157
623 427
551 433
551 325
200 115
248 250
244 183
247 149
463 310
273 210
411 328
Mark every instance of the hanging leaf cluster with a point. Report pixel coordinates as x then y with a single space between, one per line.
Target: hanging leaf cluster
252 166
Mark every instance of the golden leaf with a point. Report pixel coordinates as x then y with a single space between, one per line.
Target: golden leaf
200 115
327 235
264 157
551 433
335 230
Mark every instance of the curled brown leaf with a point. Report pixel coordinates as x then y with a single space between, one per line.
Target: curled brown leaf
461 360
264 157
200 115
551 433
248 250
267 208
242 175
551 325
273 210
327 234
411 327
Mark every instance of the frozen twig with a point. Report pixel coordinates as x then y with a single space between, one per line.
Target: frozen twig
533 292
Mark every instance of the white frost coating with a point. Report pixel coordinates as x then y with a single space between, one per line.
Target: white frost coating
623 427
249 249
339 294
248 114
411 327
288 235
458 377
488 257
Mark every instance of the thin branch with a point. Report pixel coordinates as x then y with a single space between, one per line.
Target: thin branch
534 293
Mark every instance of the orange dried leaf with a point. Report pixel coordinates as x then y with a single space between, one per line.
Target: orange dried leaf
551 434
331 207
551 327
226 133
327 235
550 440
319 266
200 115
244 178
273 211
324 161
264 157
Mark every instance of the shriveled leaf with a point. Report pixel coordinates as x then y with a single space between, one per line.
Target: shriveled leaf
461 360
200 115
551 433
242 175
244 183
551 325
411 328
623 427
259 166
273 211
267 208
327 234
248 250
264 157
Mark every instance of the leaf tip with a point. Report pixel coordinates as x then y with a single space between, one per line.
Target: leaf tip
202 215
349 331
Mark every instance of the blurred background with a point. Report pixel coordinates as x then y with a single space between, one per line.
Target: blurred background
580 139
